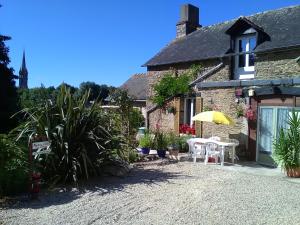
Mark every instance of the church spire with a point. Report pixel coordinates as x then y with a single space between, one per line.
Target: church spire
23 74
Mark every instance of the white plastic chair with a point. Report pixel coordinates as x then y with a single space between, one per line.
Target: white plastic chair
215 138
199 150
212 150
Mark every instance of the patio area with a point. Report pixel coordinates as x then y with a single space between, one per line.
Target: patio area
166 192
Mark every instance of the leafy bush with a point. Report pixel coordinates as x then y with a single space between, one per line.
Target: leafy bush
130 119
145 141
80 136
172 85
13 166
182 142
287 146
160 140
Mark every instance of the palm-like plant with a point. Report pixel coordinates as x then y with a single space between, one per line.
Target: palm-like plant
287 147
78 133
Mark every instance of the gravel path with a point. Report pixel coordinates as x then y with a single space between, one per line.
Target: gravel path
180 193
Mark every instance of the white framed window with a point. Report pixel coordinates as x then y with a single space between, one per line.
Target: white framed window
189 110
244 58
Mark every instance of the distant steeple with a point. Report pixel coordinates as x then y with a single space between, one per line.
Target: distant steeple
23 74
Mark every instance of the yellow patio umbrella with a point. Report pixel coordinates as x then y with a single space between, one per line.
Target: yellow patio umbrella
214 117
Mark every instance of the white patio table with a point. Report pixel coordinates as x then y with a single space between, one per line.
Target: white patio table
222 144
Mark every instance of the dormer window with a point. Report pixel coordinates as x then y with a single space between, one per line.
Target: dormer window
245 37
244 56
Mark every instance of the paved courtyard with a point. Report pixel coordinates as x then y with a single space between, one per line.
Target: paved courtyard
170 193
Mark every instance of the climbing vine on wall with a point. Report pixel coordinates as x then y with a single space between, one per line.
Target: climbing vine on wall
172 85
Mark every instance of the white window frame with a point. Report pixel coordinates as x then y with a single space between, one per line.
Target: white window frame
246 72
191 108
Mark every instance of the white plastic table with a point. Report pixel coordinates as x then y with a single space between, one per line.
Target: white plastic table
222 144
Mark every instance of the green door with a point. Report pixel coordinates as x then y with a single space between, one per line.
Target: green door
270 121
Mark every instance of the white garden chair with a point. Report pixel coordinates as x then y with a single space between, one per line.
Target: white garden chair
212 150
199 150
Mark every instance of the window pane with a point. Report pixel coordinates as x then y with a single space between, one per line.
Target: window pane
242 60
251 59
242 45
266 130
188 111
252 43
282 119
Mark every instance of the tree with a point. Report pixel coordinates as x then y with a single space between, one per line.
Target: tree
99 92
8 90
73 89
131 118
36 96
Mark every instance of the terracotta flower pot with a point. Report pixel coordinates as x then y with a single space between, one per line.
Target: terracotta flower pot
293 172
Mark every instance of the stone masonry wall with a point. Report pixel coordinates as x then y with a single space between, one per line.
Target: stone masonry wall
158 116
267 66
277 65
223 99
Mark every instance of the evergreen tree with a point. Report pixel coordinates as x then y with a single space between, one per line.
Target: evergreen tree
8 90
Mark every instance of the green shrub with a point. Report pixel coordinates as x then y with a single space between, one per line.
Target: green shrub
182 142
287 146
80 134
160 141
13 166
145 141
132 156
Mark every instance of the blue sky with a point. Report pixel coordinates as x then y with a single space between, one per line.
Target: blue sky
102 41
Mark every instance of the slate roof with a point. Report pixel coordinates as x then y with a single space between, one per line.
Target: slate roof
282 26
136 86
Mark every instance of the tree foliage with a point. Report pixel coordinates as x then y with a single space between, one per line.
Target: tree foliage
13 166
130 117
36 96
97 92
8 91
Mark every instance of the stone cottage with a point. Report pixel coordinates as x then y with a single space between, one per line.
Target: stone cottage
250 71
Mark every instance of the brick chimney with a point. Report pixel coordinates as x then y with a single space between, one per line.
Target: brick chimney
189 20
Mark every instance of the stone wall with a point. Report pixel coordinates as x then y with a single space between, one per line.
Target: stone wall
158 116
268 66
277 65
161 119
223 99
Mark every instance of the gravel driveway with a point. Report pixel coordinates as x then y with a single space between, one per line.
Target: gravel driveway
159 193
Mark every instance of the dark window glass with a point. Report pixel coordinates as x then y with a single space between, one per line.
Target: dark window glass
242 60
242 45
251 59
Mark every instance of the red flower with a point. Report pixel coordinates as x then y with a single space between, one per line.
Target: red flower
250 114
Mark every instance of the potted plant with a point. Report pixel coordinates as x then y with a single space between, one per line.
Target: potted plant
173 145
145 143
287 147
161 144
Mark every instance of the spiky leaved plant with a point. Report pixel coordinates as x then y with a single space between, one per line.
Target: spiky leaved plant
78 132
287 147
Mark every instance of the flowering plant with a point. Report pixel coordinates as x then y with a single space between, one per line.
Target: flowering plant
186 129
250 114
